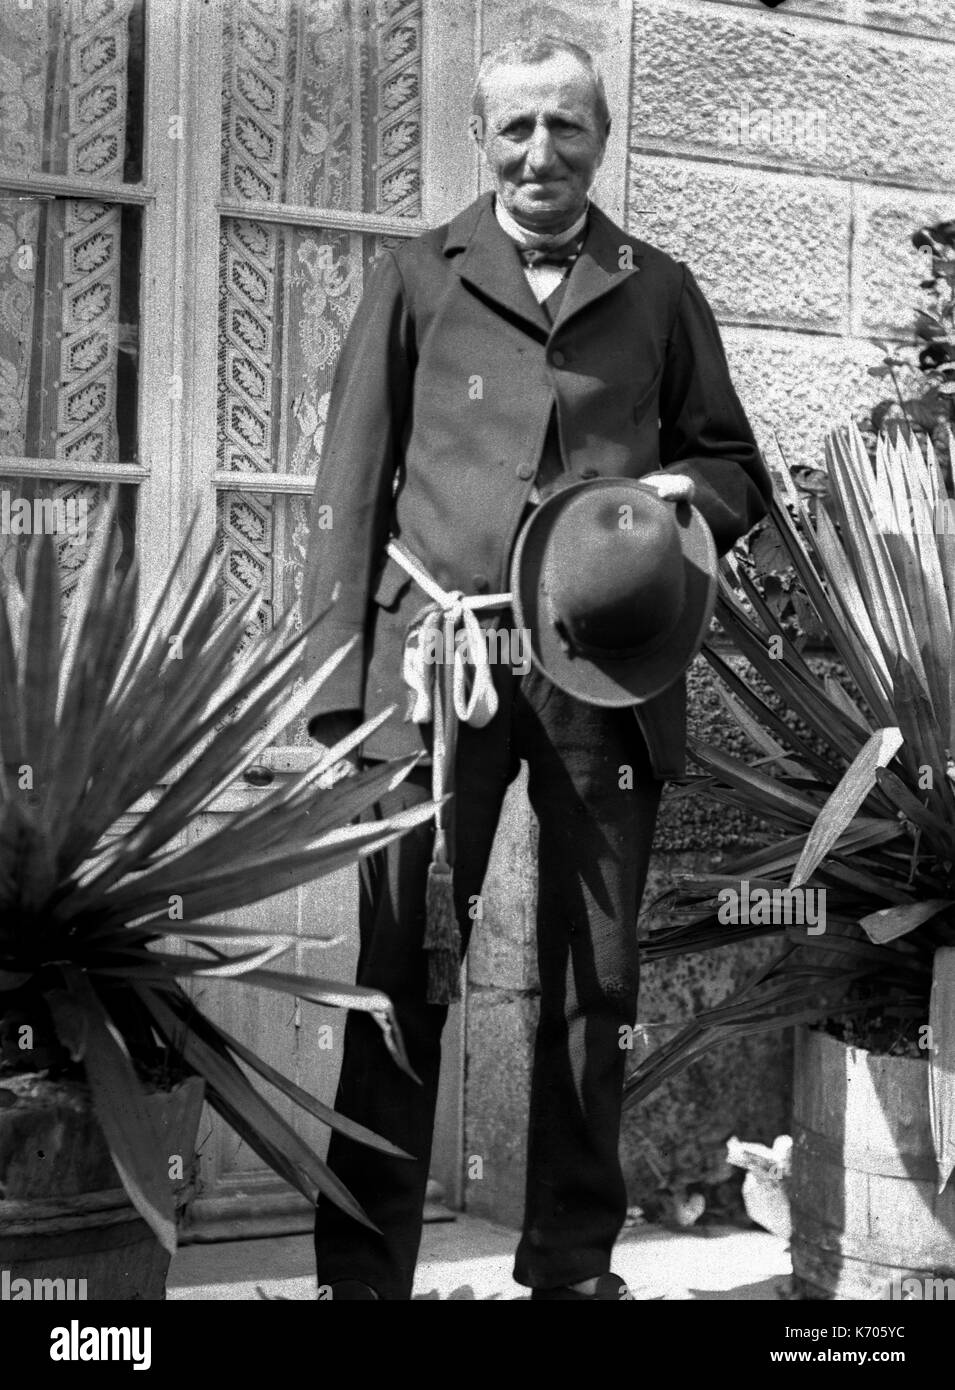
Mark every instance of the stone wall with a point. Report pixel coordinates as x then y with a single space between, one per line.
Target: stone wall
786 155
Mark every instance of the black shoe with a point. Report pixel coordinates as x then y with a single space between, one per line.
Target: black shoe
345 1290
609 1287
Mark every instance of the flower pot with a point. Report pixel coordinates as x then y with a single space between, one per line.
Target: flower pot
63 1213
865 1207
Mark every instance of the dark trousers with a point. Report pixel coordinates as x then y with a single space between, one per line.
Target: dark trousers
596 801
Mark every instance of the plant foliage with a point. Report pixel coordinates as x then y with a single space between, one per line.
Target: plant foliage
852 775
154 710
928 408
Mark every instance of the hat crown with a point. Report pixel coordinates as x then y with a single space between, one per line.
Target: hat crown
598 567
615 576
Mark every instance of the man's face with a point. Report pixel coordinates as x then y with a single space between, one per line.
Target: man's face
541 140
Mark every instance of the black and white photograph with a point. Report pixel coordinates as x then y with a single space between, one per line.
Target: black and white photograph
477 681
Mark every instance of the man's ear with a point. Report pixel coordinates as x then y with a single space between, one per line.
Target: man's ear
476 130
603 148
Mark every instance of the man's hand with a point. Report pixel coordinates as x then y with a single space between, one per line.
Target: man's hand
671 487
329 729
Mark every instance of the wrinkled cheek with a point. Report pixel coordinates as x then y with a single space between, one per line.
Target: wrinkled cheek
503 163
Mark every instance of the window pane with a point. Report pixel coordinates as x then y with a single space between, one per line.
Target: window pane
69 329
262 537
71 83
70 511
287 297
322 104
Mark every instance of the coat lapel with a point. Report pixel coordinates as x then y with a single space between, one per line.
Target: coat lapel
490 263
598 269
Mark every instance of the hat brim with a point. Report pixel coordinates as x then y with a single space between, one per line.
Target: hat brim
636 679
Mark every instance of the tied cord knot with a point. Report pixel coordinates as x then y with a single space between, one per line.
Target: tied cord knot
441 694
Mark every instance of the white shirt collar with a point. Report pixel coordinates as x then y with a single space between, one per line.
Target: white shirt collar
523 237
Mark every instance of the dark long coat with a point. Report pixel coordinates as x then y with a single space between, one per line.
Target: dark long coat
438 416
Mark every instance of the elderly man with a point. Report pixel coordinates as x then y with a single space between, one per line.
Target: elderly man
528 344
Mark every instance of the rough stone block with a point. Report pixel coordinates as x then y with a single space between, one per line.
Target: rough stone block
503 949
500 1042
828 97
800 387
750 238
886 269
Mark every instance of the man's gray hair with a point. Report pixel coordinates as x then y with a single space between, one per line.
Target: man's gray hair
538 51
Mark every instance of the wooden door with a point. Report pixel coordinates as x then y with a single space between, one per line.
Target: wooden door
191 193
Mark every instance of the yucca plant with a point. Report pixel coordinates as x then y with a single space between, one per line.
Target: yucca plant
852 772
95 714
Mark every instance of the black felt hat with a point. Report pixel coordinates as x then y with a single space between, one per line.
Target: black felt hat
616 588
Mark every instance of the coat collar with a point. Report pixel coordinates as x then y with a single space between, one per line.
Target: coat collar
491 266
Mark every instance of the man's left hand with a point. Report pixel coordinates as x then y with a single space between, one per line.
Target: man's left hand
671 487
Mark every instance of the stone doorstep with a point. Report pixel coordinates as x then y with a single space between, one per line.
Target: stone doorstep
472 1259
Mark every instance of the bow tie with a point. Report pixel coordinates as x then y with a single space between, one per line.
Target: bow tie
550 255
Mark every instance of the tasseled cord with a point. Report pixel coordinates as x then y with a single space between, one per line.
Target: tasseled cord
450 702
442 934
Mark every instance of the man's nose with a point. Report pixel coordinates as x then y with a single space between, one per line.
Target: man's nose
541 152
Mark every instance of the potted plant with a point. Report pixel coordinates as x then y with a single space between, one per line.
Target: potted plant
854 778
104 1057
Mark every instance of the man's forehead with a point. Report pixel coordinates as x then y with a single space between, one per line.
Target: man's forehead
560 83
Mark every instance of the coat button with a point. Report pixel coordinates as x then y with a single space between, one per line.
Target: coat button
526 471
558 358
481 583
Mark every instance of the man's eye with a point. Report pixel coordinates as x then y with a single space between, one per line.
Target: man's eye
523 130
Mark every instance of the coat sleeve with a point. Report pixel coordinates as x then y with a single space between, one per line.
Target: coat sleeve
368 416
704 431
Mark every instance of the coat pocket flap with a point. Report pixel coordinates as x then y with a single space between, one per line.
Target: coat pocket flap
392 582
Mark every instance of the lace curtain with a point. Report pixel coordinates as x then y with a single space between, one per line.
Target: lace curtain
69 303
321 108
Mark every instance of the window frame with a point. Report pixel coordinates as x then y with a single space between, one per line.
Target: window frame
182 205
447 72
